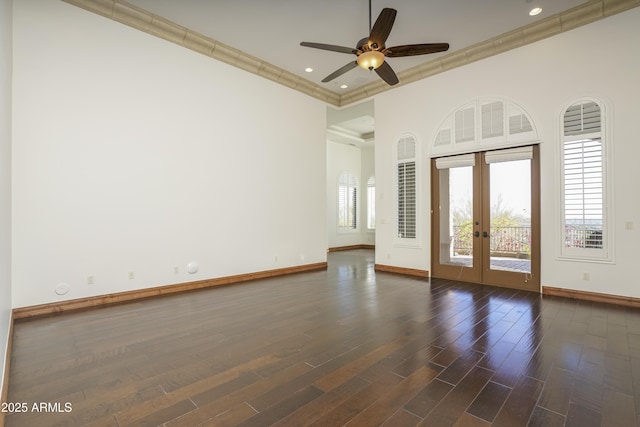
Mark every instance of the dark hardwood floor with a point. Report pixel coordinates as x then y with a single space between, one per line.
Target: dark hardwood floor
329 348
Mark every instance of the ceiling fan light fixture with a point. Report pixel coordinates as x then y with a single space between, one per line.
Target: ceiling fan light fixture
371 51
370 60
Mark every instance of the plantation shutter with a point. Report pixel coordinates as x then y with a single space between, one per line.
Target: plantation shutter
519 124
582 119
583 176
583 193
465 125
406 148
407 194
347 202
443 137
407 200
492 119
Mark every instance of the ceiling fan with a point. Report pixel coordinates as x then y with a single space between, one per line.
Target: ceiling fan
371 51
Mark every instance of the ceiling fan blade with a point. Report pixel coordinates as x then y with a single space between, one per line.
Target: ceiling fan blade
387 74
340 71
331 47
382 28
415 49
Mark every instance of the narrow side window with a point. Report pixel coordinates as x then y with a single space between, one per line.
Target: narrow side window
406 179
584 183
371 203
347 202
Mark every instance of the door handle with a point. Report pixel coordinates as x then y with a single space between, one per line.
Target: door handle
485 234
476 234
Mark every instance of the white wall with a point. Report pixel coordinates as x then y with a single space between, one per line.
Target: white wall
5 179
132 154
600 60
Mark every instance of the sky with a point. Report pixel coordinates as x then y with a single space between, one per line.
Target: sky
509 180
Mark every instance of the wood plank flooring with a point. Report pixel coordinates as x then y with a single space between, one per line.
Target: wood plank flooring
345 346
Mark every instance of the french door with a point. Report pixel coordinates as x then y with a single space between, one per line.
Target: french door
486 218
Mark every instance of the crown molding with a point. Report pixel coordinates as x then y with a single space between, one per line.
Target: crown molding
142 20
570 19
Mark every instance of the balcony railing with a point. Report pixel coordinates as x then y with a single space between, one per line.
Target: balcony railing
510 242
583 237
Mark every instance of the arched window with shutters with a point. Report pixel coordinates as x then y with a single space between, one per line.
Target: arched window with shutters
584 172
347 202
406 188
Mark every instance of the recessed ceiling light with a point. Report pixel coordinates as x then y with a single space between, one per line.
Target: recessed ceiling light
343 86
308 69
535 11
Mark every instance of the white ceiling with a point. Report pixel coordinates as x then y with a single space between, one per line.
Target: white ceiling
352 126
273 29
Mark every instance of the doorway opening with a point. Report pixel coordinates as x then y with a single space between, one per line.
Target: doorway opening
351 182
486 218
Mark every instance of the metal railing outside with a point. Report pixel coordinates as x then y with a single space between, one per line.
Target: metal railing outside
510 242
583 237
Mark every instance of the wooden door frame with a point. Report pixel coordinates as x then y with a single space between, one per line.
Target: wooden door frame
465 274
482 273
524 281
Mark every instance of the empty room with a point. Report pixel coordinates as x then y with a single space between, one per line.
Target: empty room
319 213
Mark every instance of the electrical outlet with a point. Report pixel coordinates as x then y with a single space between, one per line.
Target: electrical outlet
628 225
586 276
90 280
132 275
62 289
176 270
192 267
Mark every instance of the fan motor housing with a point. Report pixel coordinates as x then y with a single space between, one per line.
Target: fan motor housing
363 45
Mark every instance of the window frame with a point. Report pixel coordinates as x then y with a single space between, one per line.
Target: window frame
407 191
410 157
605 253
348 182
371 204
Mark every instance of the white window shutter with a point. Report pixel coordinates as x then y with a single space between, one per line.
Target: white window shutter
406 148
407 200
407 193
519 124
465 125
492 119
582 119
347 202
584 183
443 137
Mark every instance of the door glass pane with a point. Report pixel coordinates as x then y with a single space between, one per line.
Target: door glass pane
456 216
510 213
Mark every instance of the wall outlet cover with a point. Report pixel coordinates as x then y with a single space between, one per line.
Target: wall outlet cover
62 289
192 267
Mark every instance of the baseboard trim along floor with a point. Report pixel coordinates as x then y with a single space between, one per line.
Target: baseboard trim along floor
128 296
